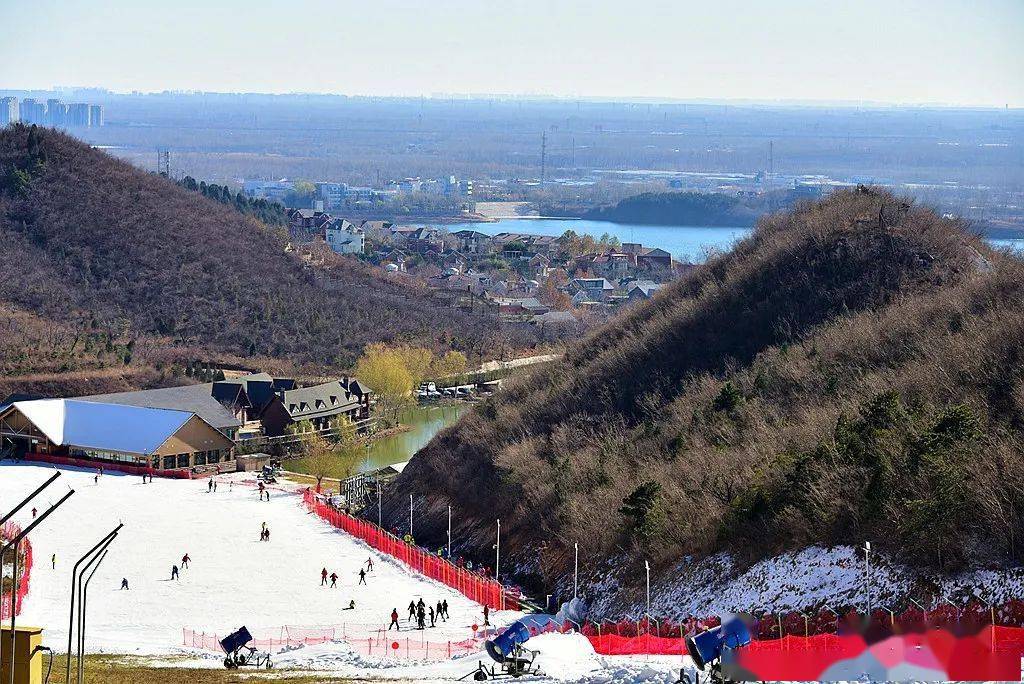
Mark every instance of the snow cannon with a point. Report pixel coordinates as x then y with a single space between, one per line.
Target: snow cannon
506 643
239 654
707 647
507 651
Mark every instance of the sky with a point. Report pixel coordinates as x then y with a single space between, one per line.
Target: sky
961 52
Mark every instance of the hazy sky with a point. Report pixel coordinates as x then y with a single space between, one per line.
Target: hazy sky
950 51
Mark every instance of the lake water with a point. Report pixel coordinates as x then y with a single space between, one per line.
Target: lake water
686 243
424 422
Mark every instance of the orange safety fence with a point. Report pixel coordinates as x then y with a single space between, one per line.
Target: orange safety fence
483 590
8 532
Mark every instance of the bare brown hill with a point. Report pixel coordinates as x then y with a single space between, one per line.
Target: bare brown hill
95 246
850 371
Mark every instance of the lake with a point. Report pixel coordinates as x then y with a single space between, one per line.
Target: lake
424 421
686 243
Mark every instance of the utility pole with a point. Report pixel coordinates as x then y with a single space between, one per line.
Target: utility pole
647 567
867 577
497 552
576 571
543 155
449 532
380 516
410 516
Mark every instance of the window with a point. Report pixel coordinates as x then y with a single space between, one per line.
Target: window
169 462
213 457
156 463
183 460
200 458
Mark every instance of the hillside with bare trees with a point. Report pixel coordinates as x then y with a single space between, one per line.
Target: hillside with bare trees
106 266
850 371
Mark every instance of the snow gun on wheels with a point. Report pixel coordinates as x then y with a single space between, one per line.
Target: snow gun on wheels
507 650
239 654
710 647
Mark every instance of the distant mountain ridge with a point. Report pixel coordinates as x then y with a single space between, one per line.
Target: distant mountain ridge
850 371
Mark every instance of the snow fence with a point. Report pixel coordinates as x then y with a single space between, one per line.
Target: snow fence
7 532
485 591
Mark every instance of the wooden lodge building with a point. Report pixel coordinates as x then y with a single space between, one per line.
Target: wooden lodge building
117 434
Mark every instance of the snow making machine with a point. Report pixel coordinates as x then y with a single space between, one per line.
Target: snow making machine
240 654
507 651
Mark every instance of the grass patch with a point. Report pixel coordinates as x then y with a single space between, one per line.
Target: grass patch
134 670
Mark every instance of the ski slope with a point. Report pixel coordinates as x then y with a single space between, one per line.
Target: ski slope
234 579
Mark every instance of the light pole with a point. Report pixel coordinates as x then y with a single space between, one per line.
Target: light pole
380 515
410 517
497 552
867 577
576 571
647 567
449 532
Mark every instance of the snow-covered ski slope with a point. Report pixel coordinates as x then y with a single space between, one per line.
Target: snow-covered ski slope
234 579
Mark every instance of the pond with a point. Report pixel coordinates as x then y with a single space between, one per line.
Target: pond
422 423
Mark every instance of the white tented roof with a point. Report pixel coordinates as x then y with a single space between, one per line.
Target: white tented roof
96 425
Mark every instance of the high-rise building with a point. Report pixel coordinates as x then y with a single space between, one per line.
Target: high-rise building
9 112
32 111
77 114
56 113
95 115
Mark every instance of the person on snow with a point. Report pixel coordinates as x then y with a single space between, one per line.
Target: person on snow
185 560
394 620
440 610
209 486
174 572
323 577
369 564
432 617
412 610
53 561
33 512
334 580
351 605
362 576
266 534
421 617
487 614
124 584
214 486
444 607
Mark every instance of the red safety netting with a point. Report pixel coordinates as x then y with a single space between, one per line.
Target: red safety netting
381 644
7 533
486 591
179 474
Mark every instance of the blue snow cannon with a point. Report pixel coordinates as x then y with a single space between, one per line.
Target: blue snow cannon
707 647
507 642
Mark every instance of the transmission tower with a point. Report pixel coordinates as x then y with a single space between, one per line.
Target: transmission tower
163 162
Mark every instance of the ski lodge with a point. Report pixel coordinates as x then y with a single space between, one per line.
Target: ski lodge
106 433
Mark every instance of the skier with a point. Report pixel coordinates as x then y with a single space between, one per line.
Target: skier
124 583
432 617
362 576
351 605
369 564
174 572
96 478
261 491
53 561
209 486
421 617
487 613
214 486
185 560
266 533
394 620
440 611
323 577
33 512
334 580
444 606
412 610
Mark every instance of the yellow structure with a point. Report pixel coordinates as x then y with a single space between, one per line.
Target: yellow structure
28 662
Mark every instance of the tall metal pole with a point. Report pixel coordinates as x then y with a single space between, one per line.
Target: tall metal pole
410 517
867 577
380 515
74 573
647 567
15 543
449 532
81 591
497 551
82 613
576 571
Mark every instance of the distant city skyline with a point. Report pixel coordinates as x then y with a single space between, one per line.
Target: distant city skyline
944 52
